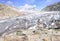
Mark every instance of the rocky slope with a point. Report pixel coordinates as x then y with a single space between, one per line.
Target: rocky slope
53 7
8 11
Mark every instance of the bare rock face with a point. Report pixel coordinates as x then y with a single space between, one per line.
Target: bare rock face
15 38
53 7
12 38
56 38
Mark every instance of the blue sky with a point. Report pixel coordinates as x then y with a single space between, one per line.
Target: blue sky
29 3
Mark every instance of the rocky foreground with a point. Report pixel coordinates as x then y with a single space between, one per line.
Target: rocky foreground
30 35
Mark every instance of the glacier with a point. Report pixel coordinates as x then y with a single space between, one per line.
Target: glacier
10 25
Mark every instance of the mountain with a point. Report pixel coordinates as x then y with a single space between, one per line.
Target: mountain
27 21
53 7
8 11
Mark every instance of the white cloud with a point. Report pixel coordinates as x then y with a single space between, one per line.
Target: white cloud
9 3
48 0
30 1
27 6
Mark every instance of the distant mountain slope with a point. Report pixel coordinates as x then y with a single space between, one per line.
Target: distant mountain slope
53 7
8 11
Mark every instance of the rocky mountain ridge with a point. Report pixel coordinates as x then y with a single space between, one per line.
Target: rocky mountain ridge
52 7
